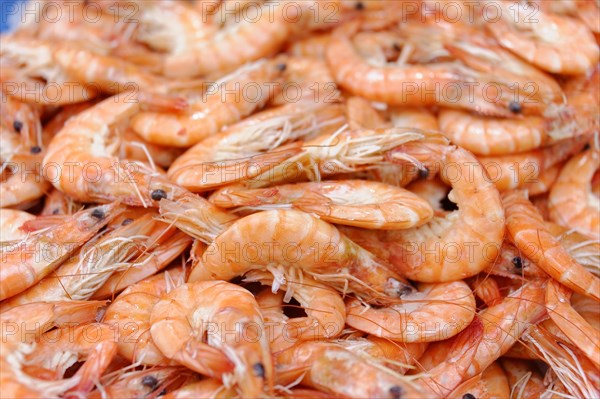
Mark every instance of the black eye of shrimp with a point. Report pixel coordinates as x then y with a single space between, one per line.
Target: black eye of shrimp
282 67
36 149
126 222
515 107
158 194
518 262
98 214
423 173
359 6
259 370
468 396
396 392
18 125
150 382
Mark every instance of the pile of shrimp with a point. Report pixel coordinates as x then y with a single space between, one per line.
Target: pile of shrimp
300 199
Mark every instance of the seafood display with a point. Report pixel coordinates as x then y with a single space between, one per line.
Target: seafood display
300 199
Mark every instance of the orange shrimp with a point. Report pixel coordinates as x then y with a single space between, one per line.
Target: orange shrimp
350 202
215 308
81 159
58 203
437 251
22 265
11 221
207 388
555 43
493 383
313 46
523 380
527 231
544 181
252 146
422 316
129 314
304 244
224 102
331 368
571 200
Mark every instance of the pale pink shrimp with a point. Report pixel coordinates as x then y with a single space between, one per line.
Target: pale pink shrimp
222 304
81 160
571 200
129 314
332 368
407 85
11 221
235 45
420 315
252 146
57 350
527 231
318 250
22 267
492 383
437 251
555 43
21 327
512 171
223 103
350 202
571 323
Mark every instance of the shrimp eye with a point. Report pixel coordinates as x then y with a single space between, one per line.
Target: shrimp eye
586 147
150 382
36 149
424 173
159 194
281 67
405 290
56 211
259 370
359 5
518 262
396 47
98 214
18 125
127 221
396 392
515 107
468 396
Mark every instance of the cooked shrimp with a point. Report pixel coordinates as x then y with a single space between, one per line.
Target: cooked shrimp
224 102
21 326
324 307
438 251
238 44
58 203
572 202
11 221
512 171
331 368
252 146
80 160
486 288
410 85
136 148
544 181
207 388
22 266
22 180
571 323
492 383
435 192
314 46
527 231
83 274
434 313
129 314
302 244
57 350
419 118
181 319
584 250
350 202
555 43
523 379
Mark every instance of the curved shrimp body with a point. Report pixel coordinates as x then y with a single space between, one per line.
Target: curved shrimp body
437 251
11 221
22 267
571 200
359 203
404 85
494 136
317 248
208 304
80 160
571 323
236 45
251 146
313 46
130 314
93 343
493 383
419 317
223 103
513 171
324 307
527 230
544 182
331 368
23 180
555 43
